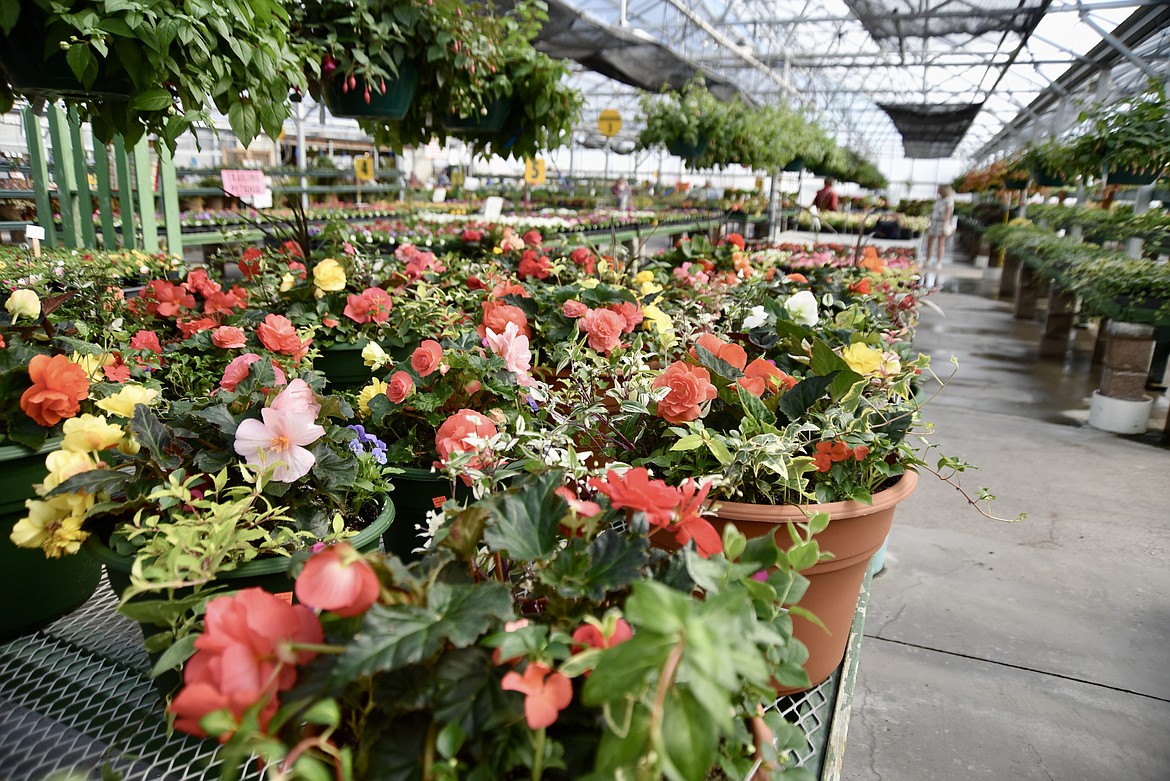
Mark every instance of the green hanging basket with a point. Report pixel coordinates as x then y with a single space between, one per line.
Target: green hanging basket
1133 176
30 72
1044 179
391 104
687 150
491 120
796 166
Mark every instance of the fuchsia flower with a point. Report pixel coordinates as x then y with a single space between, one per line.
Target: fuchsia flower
339 580
279 438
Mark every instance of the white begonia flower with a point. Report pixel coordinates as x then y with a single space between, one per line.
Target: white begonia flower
755 319
803 307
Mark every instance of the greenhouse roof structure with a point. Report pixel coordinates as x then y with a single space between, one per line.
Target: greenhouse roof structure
919 78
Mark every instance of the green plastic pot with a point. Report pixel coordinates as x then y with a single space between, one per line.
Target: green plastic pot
391 104
29 71
1133 176
35 589
416 492
492 121
1045 179
688 151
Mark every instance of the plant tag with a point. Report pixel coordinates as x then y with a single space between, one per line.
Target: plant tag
438 501
34 232
492 206
438 195
284 596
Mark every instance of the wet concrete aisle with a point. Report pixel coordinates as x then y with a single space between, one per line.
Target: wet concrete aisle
1036 650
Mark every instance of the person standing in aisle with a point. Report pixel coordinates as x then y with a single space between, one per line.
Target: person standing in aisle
940 226
826 198
621 193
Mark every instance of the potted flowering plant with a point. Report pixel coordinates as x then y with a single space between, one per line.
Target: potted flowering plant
500 653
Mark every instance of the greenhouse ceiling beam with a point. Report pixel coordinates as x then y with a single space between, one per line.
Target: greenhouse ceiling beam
1138 27
1119 46
928 14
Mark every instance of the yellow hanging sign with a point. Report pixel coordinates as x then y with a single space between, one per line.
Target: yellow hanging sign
534 171
609 123
363 168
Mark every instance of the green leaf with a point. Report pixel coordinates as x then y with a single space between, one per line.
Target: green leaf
325 712
93 481
717 365
754 407
797 401
689 739
220 417
173 658
244 121
525 524
394 636
609 563
332 470
689 442
9 13
83 63
155 99
153 435
824 360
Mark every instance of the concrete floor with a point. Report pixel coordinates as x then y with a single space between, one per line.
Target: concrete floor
1037 650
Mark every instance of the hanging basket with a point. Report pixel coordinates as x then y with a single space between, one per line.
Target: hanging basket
1044 179
30 72
686 150
796 166
491 120
1133 176
1015 182
391 104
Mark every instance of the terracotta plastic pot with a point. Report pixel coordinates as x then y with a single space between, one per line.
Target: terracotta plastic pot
34 589
855 533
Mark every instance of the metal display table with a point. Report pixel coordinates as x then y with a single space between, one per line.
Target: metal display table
74 696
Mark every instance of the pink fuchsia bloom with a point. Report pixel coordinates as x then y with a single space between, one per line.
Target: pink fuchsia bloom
228 337
546 693
630 312
691 525
280 437
603 328
574 309
371 305
237 370
512 346
401 385
634 490
461 433
590 636
339 580
690 388
427 357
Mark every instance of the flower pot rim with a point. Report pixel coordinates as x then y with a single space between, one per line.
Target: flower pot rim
268 566
791 512
14 450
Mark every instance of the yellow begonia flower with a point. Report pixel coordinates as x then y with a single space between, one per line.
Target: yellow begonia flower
375 387
497 250
62 465
329 275
124 401
374 356
53 524
23 303
870 362
657 321
287 282
644 277
590 283
604 266
90 432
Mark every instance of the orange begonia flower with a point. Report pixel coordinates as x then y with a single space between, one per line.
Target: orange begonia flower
57 390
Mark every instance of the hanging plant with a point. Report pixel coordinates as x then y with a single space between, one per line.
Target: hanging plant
153 66
1132 134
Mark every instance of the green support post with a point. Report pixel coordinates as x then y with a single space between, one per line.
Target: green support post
81 173
40 175
125 194
170 198
145 196
101 171
64 176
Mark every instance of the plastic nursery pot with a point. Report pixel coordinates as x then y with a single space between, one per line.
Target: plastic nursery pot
34 589
416 493
391 104
490 121
343 366
1045 179
688 151
855 533
23 61
1133 176
796 166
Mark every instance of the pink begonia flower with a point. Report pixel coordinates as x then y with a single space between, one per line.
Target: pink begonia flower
339 580
280 437
238 369
512 346
228 337
546 693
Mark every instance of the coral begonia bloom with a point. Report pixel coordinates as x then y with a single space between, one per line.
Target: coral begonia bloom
690 387
237 370
146 340
297 397
512 346
634 490
339 580
401 385
574 309
589 636
228 337
457 433
604 329
691 525
279 440
277 334
372 305
761 376
191 327
426 358
630 313
546 693
58 388
724 351
496 316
